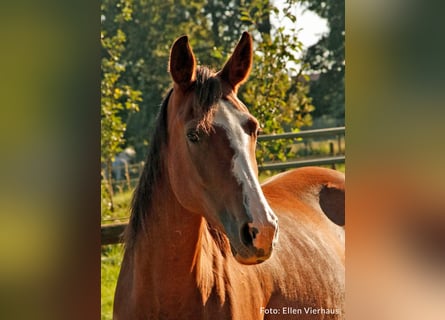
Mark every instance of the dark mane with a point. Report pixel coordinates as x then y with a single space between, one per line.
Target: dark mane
207 91
152 170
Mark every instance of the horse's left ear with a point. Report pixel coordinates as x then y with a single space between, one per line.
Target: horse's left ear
237 68
182 63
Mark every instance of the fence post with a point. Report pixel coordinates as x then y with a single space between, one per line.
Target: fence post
127 175
339 143
331 152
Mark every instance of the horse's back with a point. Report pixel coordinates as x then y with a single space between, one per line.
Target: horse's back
309 187
309 203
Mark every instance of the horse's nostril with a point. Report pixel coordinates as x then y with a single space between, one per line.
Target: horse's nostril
248 234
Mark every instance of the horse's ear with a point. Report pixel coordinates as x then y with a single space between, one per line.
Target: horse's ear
332 202
237 68
182 63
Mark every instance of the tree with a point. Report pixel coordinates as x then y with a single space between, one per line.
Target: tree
115 97
213 28
327 59
278 99
155 24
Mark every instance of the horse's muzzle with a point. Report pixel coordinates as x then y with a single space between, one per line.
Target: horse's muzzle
258 241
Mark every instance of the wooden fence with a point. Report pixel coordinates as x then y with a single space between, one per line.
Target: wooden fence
112 233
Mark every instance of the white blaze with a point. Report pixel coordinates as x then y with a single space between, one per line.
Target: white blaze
231 119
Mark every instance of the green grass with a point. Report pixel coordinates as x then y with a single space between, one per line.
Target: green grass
111 258
111 255
121 212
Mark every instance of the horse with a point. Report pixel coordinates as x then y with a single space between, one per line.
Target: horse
205 240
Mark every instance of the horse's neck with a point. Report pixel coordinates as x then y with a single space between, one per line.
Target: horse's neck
171 250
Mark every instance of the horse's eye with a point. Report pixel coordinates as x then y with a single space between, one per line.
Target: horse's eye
251 127
193 136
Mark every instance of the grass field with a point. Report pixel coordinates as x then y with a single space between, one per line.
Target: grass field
121 208
111 255
111 258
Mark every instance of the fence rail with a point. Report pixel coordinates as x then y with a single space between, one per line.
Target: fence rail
302 163
112 233
303 134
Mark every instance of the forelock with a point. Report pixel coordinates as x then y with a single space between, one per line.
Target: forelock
208 91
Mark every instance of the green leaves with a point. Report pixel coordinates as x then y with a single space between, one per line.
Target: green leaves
275 93
327 58
136 40
114 97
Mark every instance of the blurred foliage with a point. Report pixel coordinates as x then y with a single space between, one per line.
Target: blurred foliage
116 97
327 58
155 24
272 92
276 93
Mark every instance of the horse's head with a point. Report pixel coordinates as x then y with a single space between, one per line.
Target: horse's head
211 151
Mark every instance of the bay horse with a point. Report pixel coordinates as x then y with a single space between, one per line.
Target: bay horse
205 240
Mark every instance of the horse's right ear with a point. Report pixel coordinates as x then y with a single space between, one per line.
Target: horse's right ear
237 68
182 63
